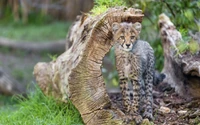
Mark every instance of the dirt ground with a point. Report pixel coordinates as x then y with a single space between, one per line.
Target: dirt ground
169 108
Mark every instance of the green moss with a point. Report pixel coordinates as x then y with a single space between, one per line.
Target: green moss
98 10
38 109
102 6
193 47
182 46
188 45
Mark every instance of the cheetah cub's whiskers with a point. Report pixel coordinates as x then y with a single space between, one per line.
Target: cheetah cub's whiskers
135 64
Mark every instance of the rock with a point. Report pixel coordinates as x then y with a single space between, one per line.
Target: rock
182 112
164 109
173 111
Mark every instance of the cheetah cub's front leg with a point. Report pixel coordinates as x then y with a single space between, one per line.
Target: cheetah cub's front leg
131 109
136 84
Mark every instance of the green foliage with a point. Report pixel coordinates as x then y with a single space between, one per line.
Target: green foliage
38 109
181 12
103 5
32 32
158 52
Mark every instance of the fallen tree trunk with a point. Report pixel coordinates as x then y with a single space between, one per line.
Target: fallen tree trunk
9 86
53 47
76 74
182 69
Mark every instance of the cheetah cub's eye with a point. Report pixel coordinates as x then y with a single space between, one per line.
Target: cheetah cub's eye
132 37
121 37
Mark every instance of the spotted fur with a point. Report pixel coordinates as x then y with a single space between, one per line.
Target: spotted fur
135 65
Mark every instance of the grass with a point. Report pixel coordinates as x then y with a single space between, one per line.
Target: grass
34 32
38 109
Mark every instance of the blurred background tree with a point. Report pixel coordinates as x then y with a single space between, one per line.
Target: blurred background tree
29 11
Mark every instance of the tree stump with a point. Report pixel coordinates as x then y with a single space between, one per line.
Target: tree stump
76 74
183 70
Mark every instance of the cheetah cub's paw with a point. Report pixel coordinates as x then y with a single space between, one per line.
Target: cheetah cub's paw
138 119
148 115
129 118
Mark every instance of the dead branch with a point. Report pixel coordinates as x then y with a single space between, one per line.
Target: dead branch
54 47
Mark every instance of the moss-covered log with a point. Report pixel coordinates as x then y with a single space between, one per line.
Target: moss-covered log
76 74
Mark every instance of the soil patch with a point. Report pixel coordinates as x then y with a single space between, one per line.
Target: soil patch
178 110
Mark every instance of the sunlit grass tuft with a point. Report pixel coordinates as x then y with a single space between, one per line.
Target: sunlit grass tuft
102 6
98 10
38 109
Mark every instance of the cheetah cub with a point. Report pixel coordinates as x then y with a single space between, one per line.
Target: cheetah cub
135 65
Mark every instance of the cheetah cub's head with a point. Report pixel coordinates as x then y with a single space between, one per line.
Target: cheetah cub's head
126 34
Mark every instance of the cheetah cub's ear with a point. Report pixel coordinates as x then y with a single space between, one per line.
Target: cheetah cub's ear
137 26
115 27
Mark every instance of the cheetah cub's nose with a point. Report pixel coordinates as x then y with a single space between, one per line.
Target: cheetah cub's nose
128 45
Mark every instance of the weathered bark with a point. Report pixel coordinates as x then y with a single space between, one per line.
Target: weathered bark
9 86
76 74
182 70
53 47
75 30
